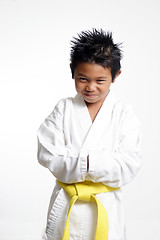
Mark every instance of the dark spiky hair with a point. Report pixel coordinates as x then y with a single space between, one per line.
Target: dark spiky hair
96 46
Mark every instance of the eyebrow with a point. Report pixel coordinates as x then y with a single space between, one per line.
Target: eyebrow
83 75
80 74
103 77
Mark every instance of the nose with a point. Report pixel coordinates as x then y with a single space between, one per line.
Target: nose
90 87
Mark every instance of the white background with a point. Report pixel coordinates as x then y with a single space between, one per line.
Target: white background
34 74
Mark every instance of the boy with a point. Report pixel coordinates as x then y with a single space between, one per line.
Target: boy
91 144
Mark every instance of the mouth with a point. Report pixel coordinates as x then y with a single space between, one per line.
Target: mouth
90 95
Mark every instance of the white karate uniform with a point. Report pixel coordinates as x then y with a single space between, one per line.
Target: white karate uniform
112 142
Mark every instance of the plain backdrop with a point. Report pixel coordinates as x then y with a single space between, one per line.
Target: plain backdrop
34 74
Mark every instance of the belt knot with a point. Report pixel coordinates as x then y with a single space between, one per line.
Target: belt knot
83 192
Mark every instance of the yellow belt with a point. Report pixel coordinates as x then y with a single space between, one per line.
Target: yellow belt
85 191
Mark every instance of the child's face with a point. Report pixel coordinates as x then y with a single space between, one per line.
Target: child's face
92 82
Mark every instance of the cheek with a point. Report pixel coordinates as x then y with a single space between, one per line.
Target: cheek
79 86
105 89
76 86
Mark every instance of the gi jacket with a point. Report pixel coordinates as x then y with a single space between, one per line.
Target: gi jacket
112 142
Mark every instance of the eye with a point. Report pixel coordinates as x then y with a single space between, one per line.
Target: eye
100 81
82 79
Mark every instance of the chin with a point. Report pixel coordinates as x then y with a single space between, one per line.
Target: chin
90 101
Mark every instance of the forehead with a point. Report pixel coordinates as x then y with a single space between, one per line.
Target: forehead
92 70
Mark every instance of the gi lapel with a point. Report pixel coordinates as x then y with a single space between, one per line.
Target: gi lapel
83 116
102 121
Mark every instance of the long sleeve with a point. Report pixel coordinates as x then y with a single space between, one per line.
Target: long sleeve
54 154
118 167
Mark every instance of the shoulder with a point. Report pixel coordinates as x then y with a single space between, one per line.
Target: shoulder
62 103
60 107
55 119
126 114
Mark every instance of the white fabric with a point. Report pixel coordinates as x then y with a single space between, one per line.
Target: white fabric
112 142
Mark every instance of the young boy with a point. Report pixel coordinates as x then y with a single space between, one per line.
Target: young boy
91 144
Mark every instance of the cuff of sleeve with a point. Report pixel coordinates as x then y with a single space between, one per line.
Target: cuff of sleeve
91 171
97 159
83 161
71 153
83 164
91 163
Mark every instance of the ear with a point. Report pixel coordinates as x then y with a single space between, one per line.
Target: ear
117 74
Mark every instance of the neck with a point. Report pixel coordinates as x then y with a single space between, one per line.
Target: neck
93 109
